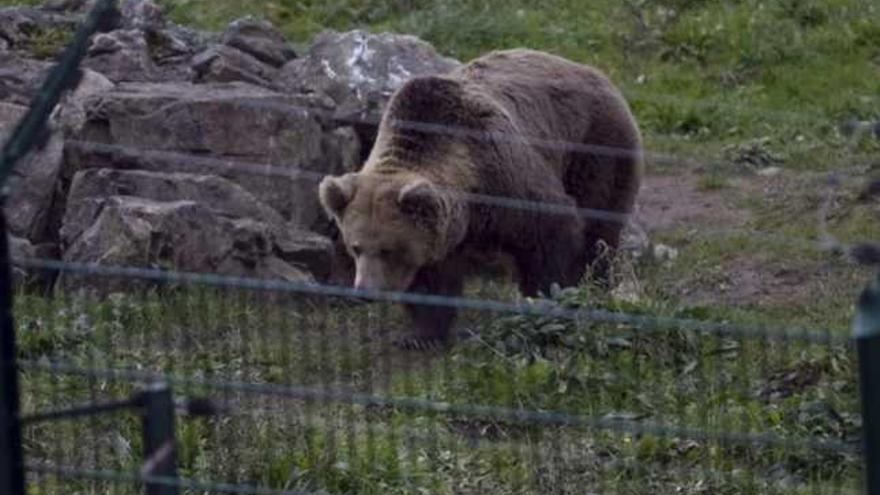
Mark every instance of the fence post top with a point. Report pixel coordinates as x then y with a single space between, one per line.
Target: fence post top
867 319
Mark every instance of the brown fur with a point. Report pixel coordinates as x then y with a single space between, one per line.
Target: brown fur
491 128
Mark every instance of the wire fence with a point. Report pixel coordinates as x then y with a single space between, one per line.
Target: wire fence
154 379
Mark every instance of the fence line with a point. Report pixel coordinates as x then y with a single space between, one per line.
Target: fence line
117 477
537 308
437 129
516 416
191 163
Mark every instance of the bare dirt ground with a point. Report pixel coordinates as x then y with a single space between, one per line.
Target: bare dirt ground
762 274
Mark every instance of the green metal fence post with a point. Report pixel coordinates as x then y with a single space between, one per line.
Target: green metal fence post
866 330
11 457
160 444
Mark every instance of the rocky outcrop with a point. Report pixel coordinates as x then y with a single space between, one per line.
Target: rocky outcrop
359 71
191 151
186 222
20 77
276 146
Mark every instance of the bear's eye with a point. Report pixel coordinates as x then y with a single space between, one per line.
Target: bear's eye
356 250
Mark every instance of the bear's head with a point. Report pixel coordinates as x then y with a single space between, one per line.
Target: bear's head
392 225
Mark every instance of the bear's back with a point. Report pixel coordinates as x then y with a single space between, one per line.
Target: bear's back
548 97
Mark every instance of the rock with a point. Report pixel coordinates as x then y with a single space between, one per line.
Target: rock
234 119
221 63
260 39
634 240
269 143
145 47
359 71
855 128
173 47
664 253
31 185
91 187
141 14
20 249
21 77
769 171
257 231
122 55
71 113
178 235
306 249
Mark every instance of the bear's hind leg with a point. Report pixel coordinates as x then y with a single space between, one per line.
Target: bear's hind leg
557 258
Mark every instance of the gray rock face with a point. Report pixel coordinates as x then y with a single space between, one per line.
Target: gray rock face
260 39
71 113
20 77
177 235
270 144
144 47
221 63
176 153
33 182
634 240
122 55
144 56
186 222
91 187
20 249
141 14
359 71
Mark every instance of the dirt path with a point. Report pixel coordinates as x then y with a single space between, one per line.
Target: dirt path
734 276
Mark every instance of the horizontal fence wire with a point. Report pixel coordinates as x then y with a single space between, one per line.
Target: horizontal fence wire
269 170
118 477
540 307
472 411
196 164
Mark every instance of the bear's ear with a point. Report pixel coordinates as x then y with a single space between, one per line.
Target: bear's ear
420 201
336 192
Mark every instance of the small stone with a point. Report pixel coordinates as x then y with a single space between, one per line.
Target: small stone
662 252
769 171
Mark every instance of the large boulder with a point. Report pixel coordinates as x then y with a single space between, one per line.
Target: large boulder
34 182
20 249
177 235
221 63
31 185
359 71
90 189
250 50
21 77
273 145
187 222
144 46
260 39
142 55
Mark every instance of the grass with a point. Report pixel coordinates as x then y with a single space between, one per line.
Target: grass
207 339
731 87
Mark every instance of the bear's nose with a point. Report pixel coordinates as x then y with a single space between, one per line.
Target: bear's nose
359 285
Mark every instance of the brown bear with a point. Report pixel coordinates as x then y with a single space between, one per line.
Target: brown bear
519 153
